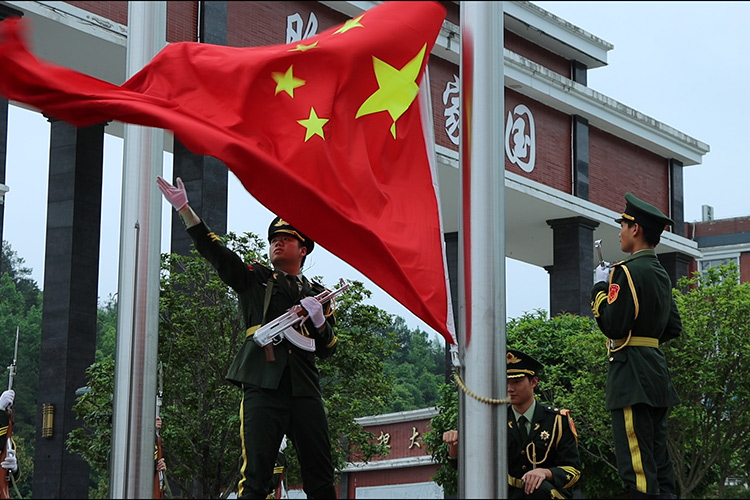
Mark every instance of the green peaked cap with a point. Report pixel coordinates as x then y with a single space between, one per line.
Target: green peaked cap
645 214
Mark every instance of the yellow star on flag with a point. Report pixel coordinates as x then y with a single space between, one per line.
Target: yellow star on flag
396 88
304 48
351 23
313 125
286 81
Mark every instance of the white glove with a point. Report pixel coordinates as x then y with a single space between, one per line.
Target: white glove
601 273
10 463
175 195
6 399
314 310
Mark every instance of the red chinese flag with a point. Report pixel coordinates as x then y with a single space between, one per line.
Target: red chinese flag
327 133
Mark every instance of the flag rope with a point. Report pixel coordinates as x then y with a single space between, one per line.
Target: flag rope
489 401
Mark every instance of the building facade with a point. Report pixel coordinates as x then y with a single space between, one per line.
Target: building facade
721 241
565 146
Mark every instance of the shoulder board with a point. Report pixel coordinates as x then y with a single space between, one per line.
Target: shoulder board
618 263
571 424
317 286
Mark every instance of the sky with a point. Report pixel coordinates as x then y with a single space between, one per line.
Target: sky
682 64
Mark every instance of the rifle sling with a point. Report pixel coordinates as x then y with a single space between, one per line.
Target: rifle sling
266 302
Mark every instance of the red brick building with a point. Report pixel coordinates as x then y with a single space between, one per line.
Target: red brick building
407 471
721 241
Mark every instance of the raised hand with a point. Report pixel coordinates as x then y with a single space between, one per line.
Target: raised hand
175 195
6 399
601 273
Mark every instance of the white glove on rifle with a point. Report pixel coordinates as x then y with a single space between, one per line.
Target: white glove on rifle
10 463
6 399
601 273
314 310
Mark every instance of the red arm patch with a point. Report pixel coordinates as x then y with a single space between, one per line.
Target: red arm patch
614 290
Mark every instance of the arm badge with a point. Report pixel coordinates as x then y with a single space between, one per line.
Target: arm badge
614 290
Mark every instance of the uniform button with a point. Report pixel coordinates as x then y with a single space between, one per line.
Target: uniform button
523 453
290 351
524 467
611 359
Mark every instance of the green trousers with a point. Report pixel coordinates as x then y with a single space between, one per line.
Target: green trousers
643 459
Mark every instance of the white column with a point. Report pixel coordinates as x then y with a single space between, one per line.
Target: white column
134 411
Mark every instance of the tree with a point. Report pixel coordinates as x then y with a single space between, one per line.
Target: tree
445 420
417 368
710 368
93 440
21 307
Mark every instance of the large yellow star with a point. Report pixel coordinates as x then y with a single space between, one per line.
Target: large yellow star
313 125
396 88
286 81
304 48
351 23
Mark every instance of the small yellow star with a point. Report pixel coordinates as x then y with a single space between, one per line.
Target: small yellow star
286 81
351 23
313 125
304 48
396 88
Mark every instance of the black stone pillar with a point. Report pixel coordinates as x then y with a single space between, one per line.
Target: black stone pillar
3 162
206 181
572 272
581 179
71 276
451 256
206 178
676 203
579 72
677 265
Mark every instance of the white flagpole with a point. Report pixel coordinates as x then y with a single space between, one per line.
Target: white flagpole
134 405
482 462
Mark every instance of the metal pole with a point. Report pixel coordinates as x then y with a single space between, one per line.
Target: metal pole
482 427
134 411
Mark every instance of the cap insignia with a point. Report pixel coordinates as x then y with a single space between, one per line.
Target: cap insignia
512 358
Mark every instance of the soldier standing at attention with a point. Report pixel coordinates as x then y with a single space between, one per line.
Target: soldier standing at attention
280 396
633 305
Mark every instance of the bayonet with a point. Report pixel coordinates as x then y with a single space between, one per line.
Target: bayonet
12 367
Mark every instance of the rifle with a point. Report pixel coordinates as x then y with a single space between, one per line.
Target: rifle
160 479
283 327
6 477
598 248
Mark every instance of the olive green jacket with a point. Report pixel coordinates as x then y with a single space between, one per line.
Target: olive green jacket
552 444
250 283
637 302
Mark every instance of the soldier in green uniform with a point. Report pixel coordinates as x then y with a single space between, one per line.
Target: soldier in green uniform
543 459
7 446
281 396
633 304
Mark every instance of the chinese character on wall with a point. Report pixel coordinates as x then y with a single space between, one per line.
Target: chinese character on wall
413 440
385 439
